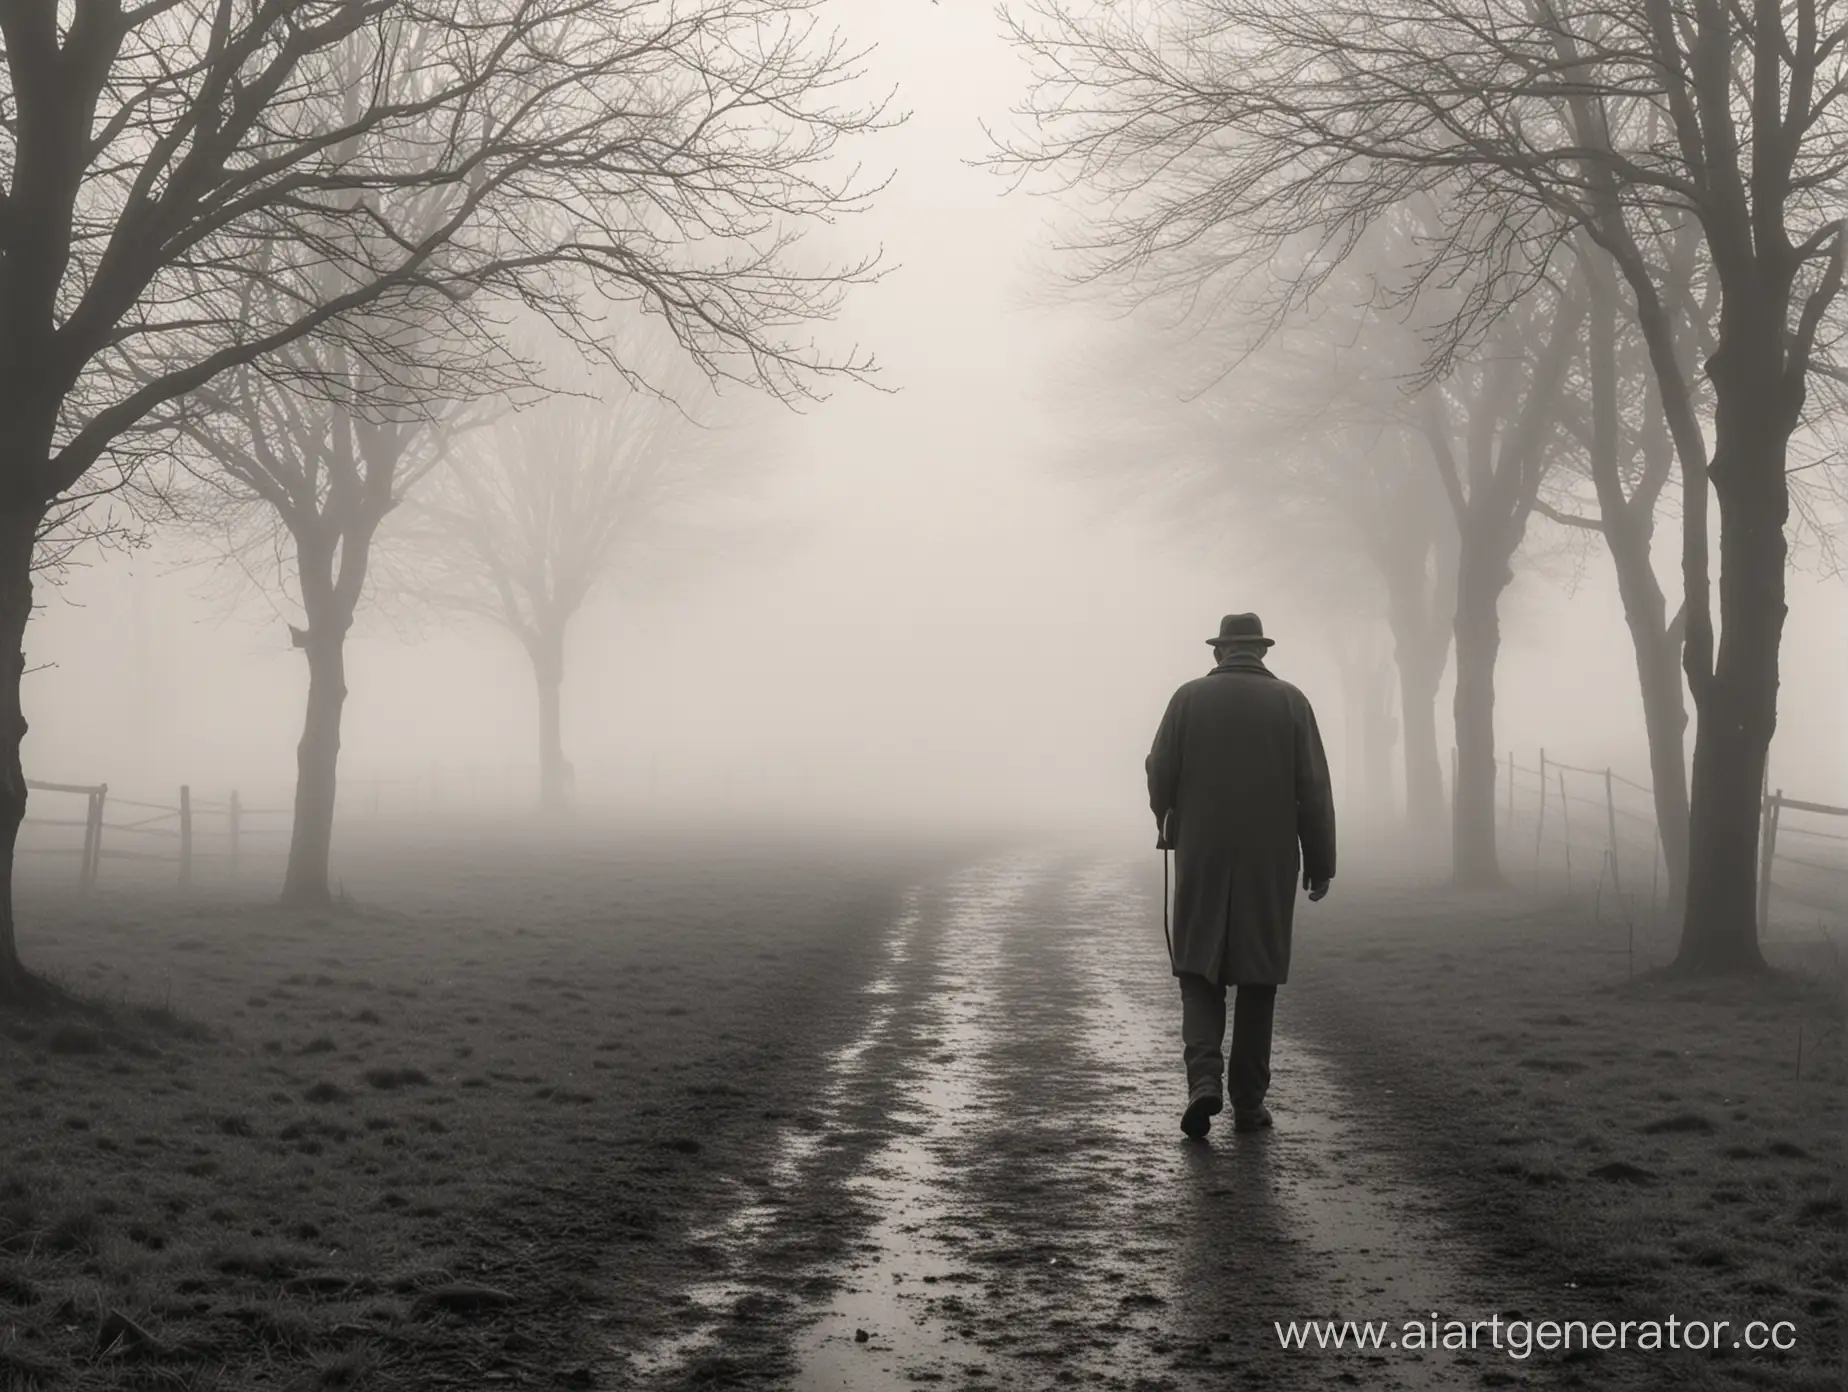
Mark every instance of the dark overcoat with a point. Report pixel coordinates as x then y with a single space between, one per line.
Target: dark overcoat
1238 761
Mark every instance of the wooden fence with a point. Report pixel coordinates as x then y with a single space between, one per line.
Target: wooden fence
192 833
181 834
1820 859
91 822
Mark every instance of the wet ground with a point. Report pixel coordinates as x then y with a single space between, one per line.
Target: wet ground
1004 1126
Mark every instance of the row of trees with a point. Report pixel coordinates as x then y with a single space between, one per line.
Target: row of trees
286 240
1565 258
511 512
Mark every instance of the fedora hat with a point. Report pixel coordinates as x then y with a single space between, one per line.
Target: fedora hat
1241 628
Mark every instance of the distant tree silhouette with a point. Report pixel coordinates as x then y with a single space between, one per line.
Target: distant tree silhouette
536 510
1493 429
188 187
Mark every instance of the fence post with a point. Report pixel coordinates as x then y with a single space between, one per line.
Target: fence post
1565 829
1540 821
232 818
89 839
1453 793
1655 871
1767 849
96 840
185 835
1610 813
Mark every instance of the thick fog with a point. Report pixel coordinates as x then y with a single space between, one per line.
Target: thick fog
646 754
940 619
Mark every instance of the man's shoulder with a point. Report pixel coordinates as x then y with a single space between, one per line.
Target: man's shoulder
1238 686
1222 680
1196 686
1294 693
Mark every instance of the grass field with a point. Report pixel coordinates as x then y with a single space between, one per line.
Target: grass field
429 1143
1648 1141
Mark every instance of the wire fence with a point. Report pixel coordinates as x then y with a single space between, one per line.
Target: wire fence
1803 856
190 837
1592 830
188 834
1596 831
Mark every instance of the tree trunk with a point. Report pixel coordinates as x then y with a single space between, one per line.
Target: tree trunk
1379 733
1628 530
548 657
1480 582
1419 676
317 760
1665 717
1350 661
1350 730
1421 594
1719 930
1755 410
17 539
1738 715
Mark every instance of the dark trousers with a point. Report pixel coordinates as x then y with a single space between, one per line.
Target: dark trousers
1203 1034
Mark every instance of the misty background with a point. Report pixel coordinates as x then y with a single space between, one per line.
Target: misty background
947 624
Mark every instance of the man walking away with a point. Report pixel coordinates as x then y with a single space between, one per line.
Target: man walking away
1237 781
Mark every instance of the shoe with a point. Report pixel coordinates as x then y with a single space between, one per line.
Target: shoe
1197 1120
1254 1120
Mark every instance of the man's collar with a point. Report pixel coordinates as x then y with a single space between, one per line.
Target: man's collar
1244 662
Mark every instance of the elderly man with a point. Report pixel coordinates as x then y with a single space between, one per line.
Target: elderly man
1237 780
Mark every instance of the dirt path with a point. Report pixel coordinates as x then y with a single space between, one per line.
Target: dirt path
1032 1215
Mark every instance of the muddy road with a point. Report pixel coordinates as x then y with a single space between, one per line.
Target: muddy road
1025 1210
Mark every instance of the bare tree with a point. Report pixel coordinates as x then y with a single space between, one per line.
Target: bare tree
1410 535
1626 455
1492 431
1749 148
535 511
1626 122
294 489
1364 656
190 186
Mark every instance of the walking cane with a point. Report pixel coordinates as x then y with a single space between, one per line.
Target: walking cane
1167 854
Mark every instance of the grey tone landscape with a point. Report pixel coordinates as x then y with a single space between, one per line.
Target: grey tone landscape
594 583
